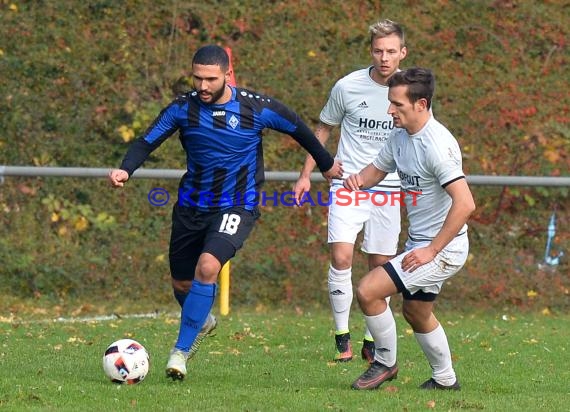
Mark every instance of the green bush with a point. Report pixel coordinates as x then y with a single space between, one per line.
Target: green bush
81 79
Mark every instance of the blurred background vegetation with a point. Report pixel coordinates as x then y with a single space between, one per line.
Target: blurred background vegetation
80 79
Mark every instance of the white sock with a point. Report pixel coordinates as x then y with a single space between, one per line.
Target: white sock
436 348
340 295
367 334
383 330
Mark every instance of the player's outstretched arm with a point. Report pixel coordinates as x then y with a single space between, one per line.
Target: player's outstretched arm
118 177
335 172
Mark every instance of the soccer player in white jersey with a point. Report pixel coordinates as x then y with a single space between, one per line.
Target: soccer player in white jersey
359 103
439 202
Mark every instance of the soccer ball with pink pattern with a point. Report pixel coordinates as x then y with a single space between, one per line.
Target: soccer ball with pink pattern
126 361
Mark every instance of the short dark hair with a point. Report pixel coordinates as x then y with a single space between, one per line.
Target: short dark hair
420 82
213 55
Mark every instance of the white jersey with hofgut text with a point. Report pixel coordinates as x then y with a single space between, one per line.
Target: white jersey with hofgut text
426 162
360 106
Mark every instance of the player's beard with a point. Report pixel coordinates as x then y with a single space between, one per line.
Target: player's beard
217 94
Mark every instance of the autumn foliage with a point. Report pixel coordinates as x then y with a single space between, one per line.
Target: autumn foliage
80 80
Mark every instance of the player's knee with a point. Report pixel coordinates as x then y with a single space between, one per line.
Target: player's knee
365 295
341 256
341 262
207 270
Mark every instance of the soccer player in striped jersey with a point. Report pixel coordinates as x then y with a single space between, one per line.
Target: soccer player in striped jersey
358 103
220 129
427 158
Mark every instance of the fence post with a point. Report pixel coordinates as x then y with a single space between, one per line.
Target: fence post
224 280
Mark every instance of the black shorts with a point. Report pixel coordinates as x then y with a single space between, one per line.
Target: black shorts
194 232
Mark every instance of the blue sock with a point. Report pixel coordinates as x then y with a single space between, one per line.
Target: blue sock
180 297
194 313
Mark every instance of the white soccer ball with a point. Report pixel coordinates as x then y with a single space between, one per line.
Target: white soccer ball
126 361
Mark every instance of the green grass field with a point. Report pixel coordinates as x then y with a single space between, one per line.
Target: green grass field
279 361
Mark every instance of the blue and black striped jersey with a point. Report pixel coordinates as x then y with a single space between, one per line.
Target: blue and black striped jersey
224 154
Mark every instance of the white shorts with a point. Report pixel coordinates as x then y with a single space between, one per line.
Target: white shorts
348 215
429 278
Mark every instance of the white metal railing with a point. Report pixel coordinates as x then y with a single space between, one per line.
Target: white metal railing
483 180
